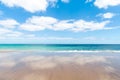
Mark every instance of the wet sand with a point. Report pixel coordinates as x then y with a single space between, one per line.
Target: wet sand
60 66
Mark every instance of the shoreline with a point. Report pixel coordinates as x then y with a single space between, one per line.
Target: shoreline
59 51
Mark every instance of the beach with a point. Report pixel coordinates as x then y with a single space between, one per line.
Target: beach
54 65
59 39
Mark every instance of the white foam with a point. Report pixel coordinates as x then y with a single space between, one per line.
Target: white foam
87 51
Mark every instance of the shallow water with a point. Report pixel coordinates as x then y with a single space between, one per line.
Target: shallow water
61 47
35 65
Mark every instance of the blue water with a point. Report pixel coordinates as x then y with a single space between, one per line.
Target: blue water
60 47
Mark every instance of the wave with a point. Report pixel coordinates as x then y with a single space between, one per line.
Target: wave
61 51
76 51
86 51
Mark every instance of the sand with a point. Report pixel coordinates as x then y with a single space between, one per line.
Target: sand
56 67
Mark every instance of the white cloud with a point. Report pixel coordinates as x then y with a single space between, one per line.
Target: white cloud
65 1
3 31
31 27
42 20
9 32
8 23
108 15
106 3
63 25
12 29
29 5
38 23
14 34
82 25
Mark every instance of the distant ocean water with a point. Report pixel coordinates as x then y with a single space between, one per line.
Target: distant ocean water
62 47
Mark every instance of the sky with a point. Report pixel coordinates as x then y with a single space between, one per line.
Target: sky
59 22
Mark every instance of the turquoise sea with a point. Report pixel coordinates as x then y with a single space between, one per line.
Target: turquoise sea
61 47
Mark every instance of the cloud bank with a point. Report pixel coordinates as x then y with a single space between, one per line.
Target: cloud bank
38 23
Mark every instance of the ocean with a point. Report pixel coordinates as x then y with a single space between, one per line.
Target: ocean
61 47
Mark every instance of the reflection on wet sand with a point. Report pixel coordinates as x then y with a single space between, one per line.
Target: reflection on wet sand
59 67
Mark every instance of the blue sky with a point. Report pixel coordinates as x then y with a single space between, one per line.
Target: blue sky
60 21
